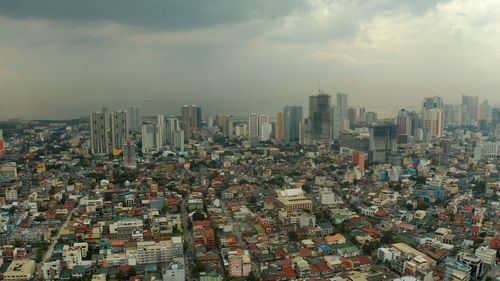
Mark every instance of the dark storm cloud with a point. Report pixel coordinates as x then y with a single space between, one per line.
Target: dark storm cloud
164 15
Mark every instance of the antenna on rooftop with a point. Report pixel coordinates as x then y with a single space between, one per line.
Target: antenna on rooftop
319 87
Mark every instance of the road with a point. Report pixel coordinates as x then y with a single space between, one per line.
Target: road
188 237
48 254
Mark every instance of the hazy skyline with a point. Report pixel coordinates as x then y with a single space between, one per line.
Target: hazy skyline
65 58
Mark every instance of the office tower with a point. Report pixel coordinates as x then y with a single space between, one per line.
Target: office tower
263 119
129 153
178 143
241 130
225 123
190 119
342 103
119 128
161 132
452 114
149 138
404 121
361 116
98 133
135 118
383 142
470 109
291 124
336 123
198 118
172 125
485 111
371 117
352 116
320 116
2 146
434 123
435 102
210 122
495 116
253 125
280 126
265 131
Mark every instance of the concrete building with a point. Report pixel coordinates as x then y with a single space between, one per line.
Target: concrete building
124 228
135 118
292 119
320 115
148 252
239 264
455 270
487 255
129 159
161 132
383 142
225 122
148 138
98 133
20 270
293 199
175 272
434 123
190 120
280 126
253 125
51 270
119 128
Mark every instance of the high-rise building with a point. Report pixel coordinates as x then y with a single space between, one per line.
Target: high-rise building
470 109
253 125
178 143
263 120
172 125
383 142
361 116
352 116
135 118
119 128
129 153
434 122
320 116
198 118
2 146
452 114
336 123
435 102
161 132
190 120
280 126
148 138
225 123
266 130
371 117
292 119
98 133
404 121
342 104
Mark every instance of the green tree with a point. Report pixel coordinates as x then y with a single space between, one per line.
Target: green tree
197 216
292 235
252 277
131 272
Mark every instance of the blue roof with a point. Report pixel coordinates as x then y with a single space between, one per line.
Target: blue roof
323 247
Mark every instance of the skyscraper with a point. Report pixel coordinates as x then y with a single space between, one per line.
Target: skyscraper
404 121
148 138
280 126
172 125
336 122
434 102
383 142
161 132
470 109
129 153
434 123
320 116
225 124
253 125
135 118
119 128
190 120
292 119
98 133
352 115
263 120
342 104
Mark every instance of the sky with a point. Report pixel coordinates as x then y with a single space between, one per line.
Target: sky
65 58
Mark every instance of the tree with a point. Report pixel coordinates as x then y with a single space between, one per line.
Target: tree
422 205
387 237
120 275
292 235
131 272
252 277
197 216
454 251
307 188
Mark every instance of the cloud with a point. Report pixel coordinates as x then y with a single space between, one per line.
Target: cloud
155 14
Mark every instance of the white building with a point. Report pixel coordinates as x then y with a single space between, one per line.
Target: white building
239 264
487 150
487 255
387 254
151 252
327 197
98 133
175 272
135 118
148 138
51 270
11 194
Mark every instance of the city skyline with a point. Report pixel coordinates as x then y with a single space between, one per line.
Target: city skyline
63 59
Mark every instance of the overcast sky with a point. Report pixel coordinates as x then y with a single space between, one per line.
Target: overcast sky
65 58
